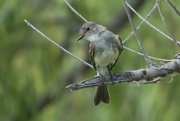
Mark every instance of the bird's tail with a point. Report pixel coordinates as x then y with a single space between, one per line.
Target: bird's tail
101 95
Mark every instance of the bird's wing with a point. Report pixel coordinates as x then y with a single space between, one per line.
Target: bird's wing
119 42
91 54
120 49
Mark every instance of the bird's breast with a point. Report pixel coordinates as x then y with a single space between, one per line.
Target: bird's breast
105 54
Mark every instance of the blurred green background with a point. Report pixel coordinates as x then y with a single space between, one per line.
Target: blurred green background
34 72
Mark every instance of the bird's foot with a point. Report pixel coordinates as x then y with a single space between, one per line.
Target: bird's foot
102 79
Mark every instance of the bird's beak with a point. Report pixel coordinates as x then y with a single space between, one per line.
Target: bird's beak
80 38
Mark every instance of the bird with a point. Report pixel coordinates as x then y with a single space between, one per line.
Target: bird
104 50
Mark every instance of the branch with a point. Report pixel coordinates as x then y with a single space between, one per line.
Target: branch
121 19
141 54
174 7
75 11
63 49
137 36
151 75
150 23
142 22
163 20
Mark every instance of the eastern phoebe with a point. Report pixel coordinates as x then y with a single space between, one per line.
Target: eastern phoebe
104 50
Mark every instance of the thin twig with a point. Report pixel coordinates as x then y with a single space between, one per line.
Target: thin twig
77 58
149 23
174 7
137 36
142 22
75 11
163 20
159 59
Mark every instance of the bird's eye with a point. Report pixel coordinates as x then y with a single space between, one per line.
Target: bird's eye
87 29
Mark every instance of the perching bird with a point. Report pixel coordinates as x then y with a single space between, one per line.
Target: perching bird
104 50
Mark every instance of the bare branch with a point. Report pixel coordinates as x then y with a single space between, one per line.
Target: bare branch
75 11
121 19
151 75
137 28
137 36
63 49
159 59
174 7
142 22
163 20
149 23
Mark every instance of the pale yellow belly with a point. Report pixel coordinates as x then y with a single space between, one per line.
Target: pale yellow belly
106 58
